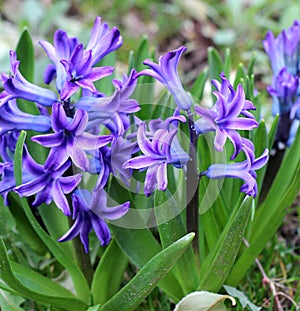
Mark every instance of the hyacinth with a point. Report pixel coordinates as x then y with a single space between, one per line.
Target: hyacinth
284 54
284 50
103 40
87 133
16 86
166 72
48 185
110 159
244 170
90 212
80 72
7 149
284 92
12 118
224 117
159 150
62 49
112 111
67 51
93 132
69 139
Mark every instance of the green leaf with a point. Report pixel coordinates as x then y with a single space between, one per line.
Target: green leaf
142 53
94 308
18 158
134 292
10 302
37 282
250 71
23 226
57 225
261 141
273 130
240 74
215 64
220 260
25 54
227 63
109 273
211 227
171 228
203 301
140 246
78 278
285 174
7 221
267 220
198 86
243 299
105 84
162 109
131 61
9 279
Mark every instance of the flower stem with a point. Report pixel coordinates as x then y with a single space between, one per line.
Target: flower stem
192 187
277 154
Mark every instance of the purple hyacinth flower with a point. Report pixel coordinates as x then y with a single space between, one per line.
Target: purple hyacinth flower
69 139
166 72
80 72
158 151
8 143
224 117
284 54
126 87
244 170
100 164
90 212
110 160
62 49
103 40
48 185
284 50
16 86
111 111
12 118
8 181
284 92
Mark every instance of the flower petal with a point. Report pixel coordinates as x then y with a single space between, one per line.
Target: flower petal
101 229
60 199
140 162
162 180
116 212
49 140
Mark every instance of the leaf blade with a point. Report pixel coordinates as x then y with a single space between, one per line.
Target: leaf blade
148 277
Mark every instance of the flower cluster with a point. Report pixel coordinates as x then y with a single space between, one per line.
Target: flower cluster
74 131
230 114
284 54
86 130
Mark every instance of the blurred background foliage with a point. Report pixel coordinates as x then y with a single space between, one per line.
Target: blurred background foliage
236 24
240 25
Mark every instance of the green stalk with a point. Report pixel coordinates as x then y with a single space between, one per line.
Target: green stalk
192 187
